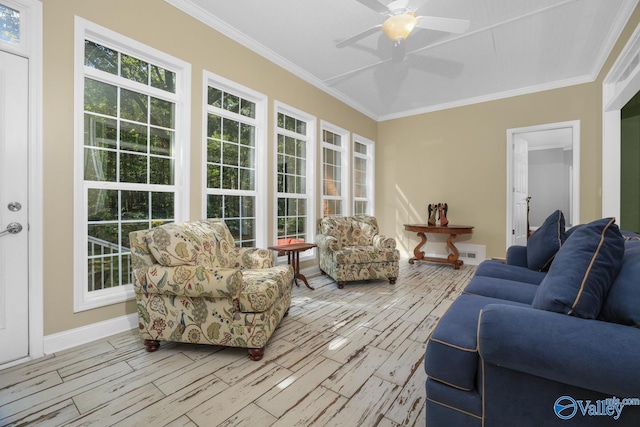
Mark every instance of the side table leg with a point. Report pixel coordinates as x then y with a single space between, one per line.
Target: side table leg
300 275
454 255
417 253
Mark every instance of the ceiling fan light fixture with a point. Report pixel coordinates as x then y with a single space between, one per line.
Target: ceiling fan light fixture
399 26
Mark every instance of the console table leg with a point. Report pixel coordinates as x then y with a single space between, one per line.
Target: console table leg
417 253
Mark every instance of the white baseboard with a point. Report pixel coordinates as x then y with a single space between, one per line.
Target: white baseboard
74 337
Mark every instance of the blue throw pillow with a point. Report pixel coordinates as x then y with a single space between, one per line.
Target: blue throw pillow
545 242
583 271
623 300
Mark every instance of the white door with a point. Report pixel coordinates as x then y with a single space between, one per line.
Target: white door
520 190
14 250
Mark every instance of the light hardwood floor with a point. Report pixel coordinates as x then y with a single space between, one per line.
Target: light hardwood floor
350 357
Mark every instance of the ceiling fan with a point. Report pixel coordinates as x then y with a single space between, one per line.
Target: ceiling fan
401 20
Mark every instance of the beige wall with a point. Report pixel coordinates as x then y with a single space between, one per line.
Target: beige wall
458 156
159 25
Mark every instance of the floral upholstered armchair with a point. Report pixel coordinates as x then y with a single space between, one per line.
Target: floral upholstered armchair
193 285
351 248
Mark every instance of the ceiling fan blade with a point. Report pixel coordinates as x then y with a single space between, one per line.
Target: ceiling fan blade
358 36
375 5
449 25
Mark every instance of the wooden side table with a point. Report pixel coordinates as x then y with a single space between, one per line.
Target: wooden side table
293 258
451 230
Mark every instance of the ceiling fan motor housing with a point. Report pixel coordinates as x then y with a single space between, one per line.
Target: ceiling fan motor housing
399 26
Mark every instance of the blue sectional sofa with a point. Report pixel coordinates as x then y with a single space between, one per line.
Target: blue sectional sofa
561 346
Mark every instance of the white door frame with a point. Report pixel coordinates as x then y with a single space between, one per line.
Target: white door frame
511 134
620 85
30 47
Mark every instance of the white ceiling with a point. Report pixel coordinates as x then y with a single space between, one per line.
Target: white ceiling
512 47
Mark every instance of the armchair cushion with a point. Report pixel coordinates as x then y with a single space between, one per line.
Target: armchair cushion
262 288
189 243
583 271
545 242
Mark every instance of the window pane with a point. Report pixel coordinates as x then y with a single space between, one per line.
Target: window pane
100 131
161 170
214 97
214 151
100 57
248 108
230 130
231 103
163 79
133 168
162 205
214 206
230 178
162 113
135 205
103 205
134 69
213 177
214 124
133 106
161 142
100 165
133 137
100 97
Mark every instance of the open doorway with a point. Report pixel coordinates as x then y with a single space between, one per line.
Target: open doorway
543 170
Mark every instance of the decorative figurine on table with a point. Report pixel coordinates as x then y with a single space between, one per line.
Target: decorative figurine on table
442 210
433 210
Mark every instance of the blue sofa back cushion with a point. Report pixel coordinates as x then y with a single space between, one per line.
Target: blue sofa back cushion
583 271
545 242
623 301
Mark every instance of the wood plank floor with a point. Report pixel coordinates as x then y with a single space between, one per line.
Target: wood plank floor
350 357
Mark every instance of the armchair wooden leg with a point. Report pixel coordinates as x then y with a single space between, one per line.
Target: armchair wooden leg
340 285
256 354
151 345
392 280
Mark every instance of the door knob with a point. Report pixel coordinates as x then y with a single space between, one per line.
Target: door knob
14 206
13 228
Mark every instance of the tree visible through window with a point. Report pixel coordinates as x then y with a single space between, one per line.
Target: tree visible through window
292 179
231 163
9 25
334 172
129 159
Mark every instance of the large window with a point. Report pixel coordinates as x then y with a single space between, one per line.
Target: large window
129 152
335 170
235 161
295 148
363 176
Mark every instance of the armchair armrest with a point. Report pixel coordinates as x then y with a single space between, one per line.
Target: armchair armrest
591 354
189 281
382 241
327 243
251 258
517 255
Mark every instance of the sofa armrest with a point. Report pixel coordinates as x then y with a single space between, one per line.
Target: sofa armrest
189 280
251 258
517 255
591 354
327 243
382 241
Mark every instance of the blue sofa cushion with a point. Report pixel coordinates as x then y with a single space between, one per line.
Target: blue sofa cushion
452 350
583 271
500 270
494 287
545 242
623 301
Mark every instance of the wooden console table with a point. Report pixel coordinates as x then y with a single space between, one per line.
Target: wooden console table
451 230
293 258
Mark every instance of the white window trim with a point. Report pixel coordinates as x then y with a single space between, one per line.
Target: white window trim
83 299
370 157
311 121
345 149
260 122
